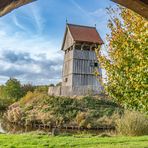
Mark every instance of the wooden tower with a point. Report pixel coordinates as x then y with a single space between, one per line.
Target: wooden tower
80 61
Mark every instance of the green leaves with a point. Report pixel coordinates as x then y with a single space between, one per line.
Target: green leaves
127 62
13 89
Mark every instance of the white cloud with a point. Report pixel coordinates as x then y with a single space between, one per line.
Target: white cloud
38 19
23 31
34 44
17 38
16 22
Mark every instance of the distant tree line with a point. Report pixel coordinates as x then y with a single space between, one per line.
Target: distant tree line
13 91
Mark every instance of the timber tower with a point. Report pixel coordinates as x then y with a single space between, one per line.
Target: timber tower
80 61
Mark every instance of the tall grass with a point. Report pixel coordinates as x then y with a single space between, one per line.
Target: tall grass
39 108
132 123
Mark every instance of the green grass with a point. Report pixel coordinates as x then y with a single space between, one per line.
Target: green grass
85 141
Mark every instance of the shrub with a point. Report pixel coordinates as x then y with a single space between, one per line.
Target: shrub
132 123
30 97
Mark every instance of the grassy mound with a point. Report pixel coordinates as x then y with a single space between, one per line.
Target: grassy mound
86 112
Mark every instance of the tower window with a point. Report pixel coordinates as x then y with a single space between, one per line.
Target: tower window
66 79
86 47
78 47
95 64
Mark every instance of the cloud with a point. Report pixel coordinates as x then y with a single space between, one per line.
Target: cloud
37 17
27 69
24 42
30 38
12 57
79 7
16 22
83 12
27 55
97 17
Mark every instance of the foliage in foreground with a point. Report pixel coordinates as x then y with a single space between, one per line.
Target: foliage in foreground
127 60
42 141
85 112
39 108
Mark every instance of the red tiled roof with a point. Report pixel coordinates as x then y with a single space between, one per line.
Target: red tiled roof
85 34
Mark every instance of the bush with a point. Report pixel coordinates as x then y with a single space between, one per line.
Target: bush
132 123
5 102
30 97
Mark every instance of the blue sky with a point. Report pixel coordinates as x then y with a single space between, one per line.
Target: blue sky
31 37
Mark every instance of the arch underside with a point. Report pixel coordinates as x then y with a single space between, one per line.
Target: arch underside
7 6
139 6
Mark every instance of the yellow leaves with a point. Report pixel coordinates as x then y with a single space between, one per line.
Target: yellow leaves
127 58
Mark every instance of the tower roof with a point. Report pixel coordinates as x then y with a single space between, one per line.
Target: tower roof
81 33
85 33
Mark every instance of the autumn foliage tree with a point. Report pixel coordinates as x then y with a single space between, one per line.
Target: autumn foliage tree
126 63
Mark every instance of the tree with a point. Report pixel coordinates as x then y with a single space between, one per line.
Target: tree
127 60
51 85
42 89
13 89
27 88
59 84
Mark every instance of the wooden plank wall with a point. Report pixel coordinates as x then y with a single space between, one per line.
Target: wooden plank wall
67 68
68 40
83 68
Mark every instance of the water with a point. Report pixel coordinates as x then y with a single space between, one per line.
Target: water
1 128
6 127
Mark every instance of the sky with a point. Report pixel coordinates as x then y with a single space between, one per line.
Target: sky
32 35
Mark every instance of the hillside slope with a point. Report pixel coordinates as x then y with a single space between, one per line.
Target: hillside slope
84 112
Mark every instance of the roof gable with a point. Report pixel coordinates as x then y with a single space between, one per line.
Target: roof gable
85 34
68 39
77 33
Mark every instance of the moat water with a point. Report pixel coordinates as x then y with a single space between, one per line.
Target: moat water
6 127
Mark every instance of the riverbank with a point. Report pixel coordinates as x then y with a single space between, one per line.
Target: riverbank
77 141
41 110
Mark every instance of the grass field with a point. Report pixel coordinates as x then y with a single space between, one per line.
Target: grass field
85 141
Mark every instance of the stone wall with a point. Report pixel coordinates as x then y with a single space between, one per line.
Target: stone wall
74 91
